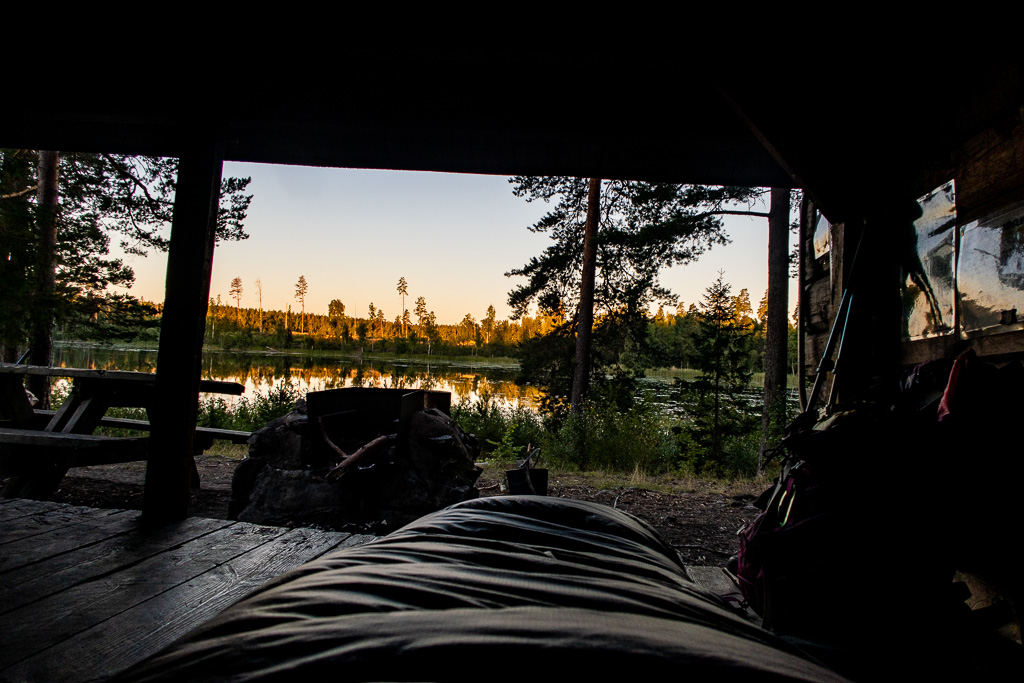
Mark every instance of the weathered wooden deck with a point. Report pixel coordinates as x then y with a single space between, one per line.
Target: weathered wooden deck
86 593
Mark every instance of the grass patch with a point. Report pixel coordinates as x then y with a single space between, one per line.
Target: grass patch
229 450
668 482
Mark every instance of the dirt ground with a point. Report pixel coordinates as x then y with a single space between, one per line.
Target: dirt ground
698 518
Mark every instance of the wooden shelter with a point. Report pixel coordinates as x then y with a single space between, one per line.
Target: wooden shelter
863 143
871 148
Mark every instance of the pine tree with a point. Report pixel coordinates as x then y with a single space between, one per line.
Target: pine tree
236 294
403 289
301 288
421 312
58 212
723 358
635 229
336 309
259 293
430 329
742 311
98 196
487 324
776 333
467 328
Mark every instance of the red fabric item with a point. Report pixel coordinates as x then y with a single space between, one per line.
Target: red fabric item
948 402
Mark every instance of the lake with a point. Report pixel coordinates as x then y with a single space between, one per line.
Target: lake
262 372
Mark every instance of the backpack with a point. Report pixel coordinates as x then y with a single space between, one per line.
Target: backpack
808 564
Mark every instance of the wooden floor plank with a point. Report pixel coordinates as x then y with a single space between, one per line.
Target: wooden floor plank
15 507
720 582
43 520
91 592
36 581
357 539
58 617
715 579
131 636
64 539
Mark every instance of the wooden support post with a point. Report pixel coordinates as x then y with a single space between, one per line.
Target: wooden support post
179 360
777 332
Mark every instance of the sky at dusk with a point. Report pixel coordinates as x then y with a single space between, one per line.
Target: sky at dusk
354 233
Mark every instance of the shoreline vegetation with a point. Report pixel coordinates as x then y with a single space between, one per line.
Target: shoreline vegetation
467 360
667 374
641 442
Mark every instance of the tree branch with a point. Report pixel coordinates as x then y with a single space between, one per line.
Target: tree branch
126 173
725 212
22 193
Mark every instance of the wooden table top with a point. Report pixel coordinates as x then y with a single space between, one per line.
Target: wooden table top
206 385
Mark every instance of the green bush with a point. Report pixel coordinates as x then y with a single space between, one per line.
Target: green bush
502 431
604 438
736 456
214 412
248 415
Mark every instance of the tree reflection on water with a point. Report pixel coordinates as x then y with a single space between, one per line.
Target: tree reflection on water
260 373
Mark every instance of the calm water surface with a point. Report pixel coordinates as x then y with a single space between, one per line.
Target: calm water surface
261 372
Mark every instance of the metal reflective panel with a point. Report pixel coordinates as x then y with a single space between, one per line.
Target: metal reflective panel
927 258
821 237
991 272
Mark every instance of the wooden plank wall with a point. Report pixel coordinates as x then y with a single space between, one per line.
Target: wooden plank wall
820 292
989 173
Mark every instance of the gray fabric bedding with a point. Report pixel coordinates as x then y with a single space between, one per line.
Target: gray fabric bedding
505 587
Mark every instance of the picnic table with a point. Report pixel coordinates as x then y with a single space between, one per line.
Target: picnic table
40 446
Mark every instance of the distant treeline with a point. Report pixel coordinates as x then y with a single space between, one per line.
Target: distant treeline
672 337
234 327
670 341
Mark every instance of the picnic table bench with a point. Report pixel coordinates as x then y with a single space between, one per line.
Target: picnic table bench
205 436
42 445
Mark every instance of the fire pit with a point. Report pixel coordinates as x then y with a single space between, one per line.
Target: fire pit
366 459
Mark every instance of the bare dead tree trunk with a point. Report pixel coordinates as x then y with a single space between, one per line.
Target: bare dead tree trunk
777 328
585 322
259 291
41 335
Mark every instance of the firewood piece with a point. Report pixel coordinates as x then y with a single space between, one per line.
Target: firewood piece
350 462
327 440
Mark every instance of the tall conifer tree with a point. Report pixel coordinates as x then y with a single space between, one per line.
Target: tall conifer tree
639 229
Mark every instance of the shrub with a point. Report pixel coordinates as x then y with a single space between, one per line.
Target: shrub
601 437
502 431
248 414
737 449
214 412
